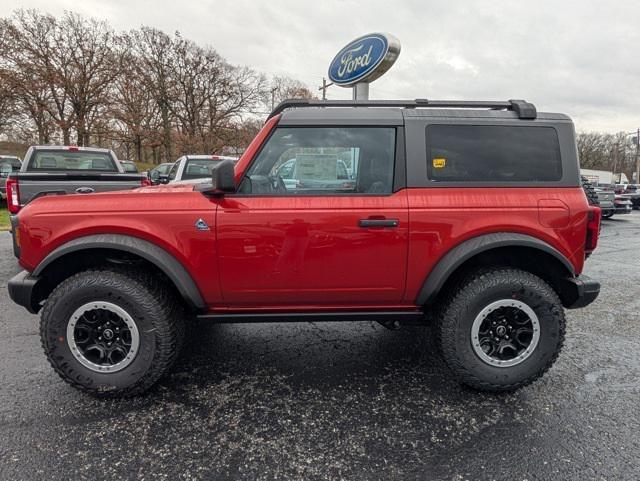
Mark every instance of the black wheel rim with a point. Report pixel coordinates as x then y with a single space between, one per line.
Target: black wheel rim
505 333
103 337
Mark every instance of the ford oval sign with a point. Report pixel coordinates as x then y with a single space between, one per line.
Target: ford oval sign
365 59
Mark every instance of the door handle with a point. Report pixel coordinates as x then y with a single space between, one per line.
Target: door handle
84 190
369 223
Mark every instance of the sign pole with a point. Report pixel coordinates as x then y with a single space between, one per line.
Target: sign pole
637 179
361 91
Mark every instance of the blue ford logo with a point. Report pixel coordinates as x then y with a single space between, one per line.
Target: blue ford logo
364 59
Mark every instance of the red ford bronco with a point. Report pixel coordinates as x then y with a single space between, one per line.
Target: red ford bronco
470 215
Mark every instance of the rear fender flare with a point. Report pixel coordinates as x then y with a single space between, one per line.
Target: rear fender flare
457 256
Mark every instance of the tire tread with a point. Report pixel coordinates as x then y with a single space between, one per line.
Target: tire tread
462 295
152 294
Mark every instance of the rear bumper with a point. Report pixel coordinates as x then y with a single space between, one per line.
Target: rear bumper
579 291
623 209
21 287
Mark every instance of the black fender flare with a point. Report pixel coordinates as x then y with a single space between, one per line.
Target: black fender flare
159 257
471 247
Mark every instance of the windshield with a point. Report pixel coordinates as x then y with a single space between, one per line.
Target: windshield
62 160
198 168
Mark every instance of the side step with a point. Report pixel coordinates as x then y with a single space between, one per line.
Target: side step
404 317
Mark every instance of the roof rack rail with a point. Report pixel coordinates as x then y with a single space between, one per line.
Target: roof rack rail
525 110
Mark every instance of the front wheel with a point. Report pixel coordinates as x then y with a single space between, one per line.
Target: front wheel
501 329
607 214
111 333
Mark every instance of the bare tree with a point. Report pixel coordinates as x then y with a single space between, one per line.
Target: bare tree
143 92
154 60
134 110
29 49
283 88
90 68
603 151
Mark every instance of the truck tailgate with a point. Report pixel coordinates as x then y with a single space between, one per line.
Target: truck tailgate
34 184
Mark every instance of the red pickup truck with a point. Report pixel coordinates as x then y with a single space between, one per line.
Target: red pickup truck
469 215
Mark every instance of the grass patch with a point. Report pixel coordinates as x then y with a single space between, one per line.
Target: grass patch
4 219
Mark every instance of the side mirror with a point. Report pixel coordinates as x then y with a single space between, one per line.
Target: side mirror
222 180
163 179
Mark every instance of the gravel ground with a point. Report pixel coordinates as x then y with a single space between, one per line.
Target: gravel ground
338 401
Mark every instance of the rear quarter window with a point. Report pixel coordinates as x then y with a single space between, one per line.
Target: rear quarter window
491 153
62 160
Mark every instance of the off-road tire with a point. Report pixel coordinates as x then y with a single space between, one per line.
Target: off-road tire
589 191
155 309
471 295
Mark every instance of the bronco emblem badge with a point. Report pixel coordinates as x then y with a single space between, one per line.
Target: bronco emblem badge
201 225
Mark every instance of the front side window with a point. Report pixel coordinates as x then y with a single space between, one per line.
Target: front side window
324 161
61 160
490 153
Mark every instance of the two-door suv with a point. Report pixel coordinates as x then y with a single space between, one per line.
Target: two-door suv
469 215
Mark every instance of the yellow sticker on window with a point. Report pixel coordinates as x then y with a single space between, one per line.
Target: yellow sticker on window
439 163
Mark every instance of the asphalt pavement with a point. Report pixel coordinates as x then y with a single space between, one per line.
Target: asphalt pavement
350 401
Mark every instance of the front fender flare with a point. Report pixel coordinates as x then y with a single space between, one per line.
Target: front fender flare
159 257
471 247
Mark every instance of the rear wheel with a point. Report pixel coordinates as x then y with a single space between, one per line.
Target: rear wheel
501 329
607 214
112 333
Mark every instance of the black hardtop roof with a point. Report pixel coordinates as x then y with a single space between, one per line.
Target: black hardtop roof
300 110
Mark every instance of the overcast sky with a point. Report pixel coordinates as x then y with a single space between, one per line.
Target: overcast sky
575 57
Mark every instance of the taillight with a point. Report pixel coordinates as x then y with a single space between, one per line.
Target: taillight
13 195
145 182
593 229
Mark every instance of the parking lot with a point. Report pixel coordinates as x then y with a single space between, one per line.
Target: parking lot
338 401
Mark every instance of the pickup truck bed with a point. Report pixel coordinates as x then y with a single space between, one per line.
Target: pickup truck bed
56 170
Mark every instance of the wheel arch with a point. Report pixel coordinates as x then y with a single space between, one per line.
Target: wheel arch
64 260
502 248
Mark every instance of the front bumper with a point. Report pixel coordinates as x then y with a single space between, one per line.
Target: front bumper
579 291
21 288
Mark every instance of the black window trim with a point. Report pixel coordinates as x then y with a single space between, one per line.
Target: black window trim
415 129
399 168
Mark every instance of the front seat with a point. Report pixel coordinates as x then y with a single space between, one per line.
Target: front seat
377 177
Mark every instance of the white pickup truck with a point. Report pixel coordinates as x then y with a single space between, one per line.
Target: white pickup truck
192 168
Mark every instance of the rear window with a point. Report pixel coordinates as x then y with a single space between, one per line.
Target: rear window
63 160
488 153
198 168
129 167
9 165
